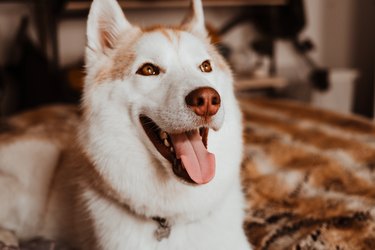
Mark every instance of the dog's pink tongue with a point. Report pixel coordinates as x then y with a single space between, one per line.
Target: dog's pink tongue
198 162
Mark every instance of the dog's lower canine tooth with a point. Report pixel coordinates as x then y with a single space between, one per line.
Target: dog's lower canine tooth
171 149
166 143
163 135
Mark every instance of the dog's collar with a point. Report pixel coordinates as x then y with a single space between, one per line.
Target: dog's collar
164 229
97 183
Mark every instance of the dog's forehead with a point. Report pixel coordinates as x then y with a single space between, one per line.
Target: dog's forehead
166 40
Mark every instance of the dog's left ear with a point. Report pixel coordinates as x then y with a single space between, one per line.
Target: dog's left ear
105 23
194 21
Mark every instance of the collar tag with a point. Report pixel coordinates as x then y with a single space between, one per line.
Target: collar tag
164 228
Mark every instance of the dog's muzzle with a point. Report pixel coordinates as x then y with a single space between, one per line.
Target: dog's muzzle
187 150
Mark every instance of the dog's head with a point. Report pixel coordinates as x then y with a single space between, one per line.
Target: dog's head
161 90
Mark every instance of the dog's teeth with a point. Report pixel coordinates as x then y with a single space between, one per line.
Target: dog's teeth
166 143
171 149
163 135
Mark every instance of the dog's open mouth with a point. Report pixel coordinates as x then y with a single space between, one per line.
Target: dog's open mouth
187 151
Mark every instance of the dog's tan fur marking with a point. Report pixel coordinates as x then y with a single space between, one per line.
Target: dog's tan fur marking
163 30
122 60
157 28
169 32
219 60
122 63
121 66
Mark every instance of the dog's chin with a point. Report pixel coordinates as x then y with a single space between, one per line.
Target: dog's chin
167 144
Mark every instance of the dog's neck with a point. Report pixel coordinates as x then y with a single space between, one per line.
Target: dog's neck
92 179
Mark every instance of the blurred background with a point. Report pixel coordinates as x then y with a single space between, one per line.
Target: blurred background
320 52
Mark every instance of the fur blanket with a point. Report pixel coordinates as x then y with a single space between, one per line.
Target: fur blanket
308 176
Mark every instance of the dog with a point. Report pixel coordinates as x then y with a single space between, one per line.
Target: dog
151 160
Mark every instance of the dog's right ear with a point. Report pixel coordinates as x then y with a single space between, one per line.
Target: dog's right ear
105 23
194 21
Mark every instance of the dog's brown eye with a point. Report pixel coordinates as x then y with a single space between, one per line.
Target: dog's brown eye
148 69
206 66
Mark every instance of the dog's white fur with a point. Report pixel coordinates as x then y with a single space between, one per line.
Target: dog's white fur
203 217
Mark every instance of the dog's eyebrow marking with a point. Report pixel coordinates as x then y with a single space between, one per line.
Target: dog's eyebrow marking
121 61
217 58
120 68
121 64
167 35
165 30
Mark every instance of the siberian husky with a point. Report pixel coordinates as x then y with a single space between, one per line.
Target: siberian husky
159 146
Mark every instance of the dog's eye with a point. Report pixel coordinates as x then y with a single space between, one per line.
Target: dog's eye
206 66
148 69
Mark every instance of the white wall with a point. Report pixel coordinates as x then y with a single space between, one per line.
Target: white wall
345 38
331 26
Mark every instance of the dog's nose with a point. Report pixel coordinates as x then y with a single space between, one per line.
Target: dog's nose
204 101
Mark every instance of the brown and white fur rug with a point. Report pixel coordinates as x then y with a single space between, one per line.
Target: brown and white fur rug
309 178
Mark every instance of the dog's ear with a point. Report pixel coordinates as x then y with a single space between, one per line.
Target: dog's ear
105 23
194 21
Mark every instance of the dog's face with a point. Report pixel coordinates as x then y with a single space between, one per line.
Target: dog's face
157 96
